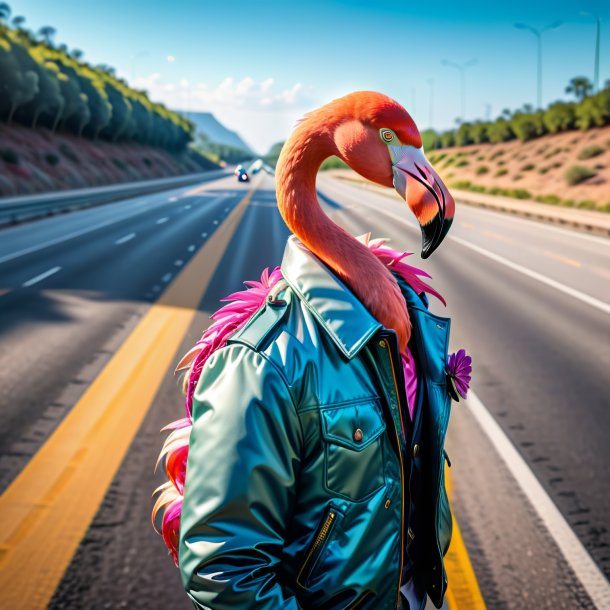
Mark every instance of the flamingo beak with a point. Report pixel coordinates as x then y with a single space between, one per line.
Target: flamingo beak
425 194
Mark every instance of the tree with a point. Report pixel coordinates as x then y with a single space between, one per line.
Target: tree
527 126
76 54
5 12
580 87
500 130
47 33
18 21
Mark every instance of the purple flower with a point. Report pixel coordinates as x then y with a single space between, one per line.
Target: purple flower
460 368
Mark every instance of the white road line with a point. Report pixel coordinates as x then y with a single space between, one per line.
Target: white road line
172 199
574 553
577 294
125 239
204 235
191 248
166 278
40 277
162 220
215 222
187 207
179 263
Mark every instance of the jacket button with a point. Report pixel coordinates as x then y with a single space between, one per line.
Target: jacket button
387 503
358 435
382 343
439 326
415 450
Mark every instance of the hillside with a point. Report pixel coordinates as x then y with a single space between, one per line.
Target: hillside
206 123
37 160
568 168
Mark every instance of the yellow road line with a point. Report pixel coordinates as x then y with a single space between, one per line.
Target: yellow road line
563 259
497 236
463 591
467 225
46 511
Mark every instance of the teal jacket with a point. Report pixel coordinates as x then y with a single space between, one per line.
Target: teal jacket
301 489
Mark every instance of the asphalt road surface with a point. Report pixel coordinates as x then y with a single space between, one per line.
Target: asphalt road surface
528 301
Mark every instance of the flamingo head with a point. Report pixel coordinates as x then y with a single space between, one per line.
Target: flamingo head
378 139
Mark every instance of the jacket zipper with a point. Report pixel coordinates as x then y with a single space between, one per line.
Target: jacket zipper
402 474
317 543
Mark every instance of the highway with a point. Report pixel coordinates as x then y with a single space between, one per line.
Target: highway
530 302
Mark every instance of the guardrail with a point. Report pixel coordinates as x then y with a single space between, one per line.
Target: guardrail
28 207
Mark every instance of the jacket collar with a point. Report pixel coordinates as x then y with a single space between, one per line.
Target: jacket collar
348 323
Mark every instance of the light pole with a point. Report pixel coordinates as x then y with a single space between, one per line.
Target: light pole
597 43
462 68
538 34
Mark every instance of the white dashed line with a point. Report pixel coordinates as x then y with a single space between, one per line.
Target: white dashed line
40 277
162 220
577 294
187 207
124 239
575 554
178 263
167 277
191 248
172 199
204 235
215 222
156 288
226 209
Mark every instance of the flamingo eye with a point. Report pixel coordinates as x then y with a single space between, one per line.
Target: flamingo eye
388 136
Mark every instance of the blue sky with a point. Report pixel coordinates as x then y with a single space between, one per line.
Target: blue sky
260 65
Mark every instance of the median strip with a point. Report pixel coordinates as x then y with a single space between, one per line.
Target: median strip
47 510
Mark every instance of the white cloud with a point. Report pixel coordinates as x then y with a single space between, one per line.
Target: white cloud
261 111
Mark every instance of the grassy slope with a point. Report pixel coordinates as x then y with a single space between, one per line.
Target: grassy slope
538 167
34 161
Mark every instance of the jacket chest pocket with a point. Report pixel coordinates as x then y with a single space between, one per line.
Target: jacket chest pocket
352 436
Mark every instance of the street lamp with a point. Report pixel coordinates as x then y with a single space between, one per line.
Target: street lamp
462 68
538 34
597 39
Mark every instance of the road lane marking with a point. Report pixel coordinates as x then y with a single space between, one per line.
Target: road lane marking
497 236
562 259
576 556
463 591
577 294
467 225
58 240
125 239
41 277
166 278
179 263
56 496
162 220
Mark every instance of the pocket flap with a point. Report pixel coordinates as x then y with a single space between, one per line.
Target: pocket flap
355 425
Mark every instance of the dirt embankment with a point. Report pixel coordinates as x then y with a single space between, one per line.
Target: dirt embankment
570 168
37 160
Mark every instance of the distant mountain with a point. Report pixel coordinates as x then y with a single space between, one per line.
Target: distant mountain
206 123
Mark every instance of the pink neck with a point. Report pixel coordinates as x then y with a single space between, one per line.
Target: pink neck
351 260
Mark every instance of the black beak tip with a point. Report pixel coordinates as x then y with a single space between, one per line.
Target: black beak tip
432 236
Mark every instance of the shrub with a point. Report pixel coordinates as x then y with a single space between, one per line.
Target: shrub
481 158
479 132
528 167
447 139
497 154
462 163
501 162
463 135
594 111
462 184
501 172
559 116
578 173
500 131
52 159
543 170
119 163
517 177
68 153
519 193
548 199
482 169
527 126
8 155
589 152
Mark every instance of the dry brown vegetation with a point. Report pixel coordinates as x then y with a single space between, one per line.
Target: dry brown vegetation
569 168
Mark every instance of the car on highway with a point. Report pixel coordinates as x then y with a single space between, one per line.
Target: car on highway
242 175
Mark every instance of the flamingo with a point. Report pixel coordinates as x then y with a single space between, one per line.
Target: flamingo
379 140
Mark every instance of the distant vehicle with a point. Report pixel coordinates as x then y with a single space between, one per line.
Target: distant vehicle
256 166
238 169
242 175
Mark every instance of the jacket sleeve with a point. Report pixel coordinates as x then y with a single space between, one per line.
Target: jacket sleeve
243 461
